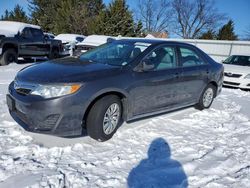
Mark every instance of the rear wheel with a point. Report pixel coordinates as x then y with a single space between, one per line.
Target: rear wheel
9 56
104 118
207 97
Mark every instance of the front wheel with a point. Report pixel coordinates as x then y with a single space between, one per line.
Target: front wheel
9 56
207 97
104 118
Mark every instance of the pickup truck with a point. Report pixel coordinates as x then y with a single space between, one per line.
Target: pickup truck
25 40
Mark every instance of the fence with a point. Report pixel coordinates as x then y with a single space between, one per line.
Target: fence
219 50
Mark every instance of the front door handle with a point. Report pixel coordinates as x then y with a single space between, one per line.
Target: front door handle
177 75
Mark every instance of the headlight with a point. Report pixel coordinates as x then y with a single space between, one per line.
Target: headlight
49 91
247 76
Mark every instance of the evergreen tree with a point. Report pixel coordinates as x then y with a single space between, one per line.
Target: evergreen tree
5 16
94 7
209 35
62 16
77 16
227 32
66 16
43 13
139 29
18 14
117 20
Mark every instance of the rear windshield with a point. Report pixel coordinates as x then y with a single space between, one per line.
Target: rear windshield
79 39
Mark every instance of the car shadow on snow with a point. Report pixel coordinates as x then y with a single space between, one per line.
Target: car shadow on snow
158 170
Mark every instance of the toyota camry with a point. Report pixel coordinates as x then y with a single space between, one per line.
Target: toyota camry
119 81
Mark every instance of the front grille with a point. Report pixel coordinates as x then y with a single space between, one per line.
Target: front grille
231 83
232 75
23 91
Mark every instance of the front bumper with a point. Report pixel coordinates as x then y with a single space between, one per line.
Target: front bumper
59 116
237 82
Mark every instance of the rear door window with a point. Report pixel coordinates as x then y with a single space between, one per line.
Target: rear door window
190 58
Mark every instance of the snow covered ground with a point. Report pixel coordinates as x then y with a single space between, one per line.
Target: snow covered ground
187 148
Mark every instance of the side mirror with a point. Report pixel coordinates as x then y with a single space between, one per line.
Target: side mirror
22 34
147 65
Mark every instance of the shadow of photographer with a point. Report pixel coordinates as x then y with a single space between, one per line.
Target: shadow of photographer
158 170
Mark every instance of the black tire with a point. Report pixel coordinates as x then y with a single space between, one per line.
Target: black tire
54 54
202 103
95 119
9 56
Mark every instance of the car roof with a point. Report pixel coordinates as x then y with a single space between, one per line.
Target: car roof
11 28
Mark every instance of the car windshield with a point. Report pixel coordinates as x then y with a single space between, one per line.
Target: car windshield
115 53
238 60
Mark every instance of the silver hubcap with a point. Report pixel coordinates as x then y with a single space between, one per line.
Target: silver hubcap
111 118
208 97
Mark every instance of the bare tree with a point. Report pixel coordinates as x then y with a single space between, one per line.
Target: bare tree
194 17
154 14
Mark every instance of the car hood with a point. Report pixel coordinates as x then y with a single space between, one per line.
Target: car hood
237 69
66 70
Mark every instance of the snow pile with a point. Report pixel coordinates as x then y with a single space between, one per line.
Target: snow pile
67 38
11 28
191 148
96 40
